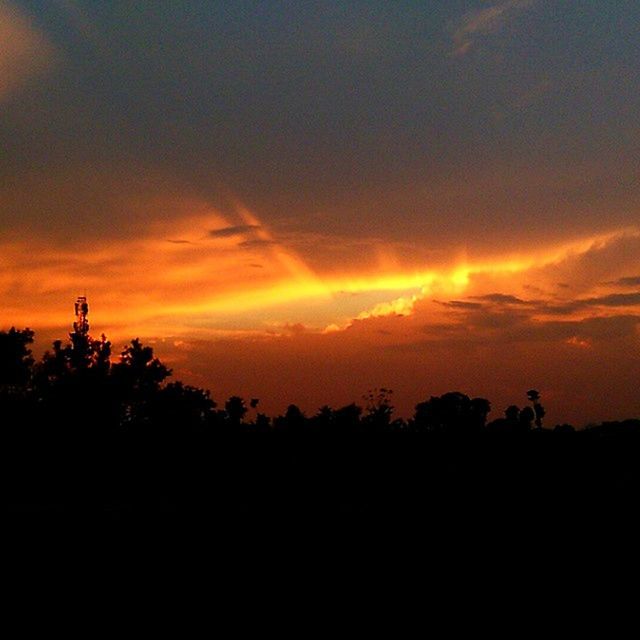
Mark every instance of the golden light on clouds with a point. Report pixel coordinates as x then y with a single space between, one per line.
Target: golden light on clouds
222 273
232 305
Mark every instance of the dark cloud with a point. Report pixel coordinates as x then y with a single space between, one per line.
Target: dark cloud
459 304
631 281
256 242
485 326
611 300
612 327
180 241
615 300
236 230
501 298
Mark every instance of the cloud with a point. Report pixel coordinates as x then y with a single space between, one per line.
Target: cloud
476 24
256 242
501 298
627 281
460 304
485 336
236 230
25 52
611 300
175 284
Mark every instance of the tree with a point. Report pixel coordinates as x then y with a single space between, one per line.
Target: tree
236 410
139 369
15 358
179 406
452 412
378 408
538 409
138 377
15 375
293 420
479 409
526 418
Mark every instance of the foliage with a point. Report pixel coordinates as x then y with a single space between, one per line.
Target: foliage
15 357
77 385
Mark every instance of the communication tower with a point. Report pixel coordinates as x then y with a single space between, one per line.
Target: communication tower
81 325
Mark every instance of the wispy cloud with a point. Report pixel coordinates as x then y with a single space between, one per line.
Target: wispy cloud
501 298
627 281
236 230
257 242
25 52
484 22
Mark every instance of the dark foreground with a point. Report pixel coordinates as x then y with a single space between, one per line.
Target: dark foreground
416 481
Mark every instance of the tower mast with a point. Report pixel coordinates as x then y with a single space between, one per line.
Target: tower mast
81 324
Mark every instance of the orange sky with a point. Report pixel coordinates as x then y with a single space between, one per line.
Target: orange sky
231 307
300 203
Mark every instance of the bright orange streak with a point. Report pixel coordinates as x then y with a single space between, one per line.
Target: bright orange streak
181 272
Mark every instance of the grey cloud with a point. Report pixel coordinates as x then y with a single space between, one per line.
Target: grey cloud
501 298
611 300
484 22
631 281
257 242
235 230
460 304
616 300
483 326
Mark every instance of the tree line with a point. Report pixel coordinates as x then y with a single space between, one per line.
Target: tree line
85 432
81 384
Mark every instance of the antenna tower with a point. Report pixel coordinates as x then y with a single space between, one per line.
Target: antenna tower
81 325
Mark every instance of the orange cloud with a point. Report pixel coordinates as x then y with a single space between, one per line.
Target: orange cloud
493 326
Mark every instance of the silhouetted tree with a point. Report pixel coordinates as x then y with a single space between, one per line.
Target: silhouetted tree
76 392
293 420
235 410
479 410
322 421
139 369
512 414
347 419
15 375
137 378
178 406
15 358
262 423
378 409
564 428
534 398
525 419
452 413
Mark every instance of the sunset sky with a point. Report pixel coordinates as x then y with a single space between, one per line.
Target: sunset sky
300 201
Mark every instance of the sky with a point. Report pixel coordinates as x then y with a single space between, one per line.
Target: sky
302 201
